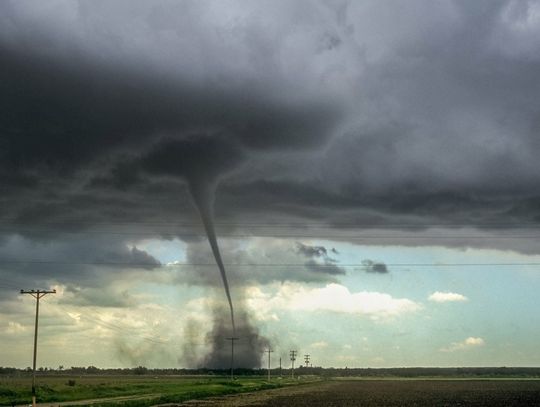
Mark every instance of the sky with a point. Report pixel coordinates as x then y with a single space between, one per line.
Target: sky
369 169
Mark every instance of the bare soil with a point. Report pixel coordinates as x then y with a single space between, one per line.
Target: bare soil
367 393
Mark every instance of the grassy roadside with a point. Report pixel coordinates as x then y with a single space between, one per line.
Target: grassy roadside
149 390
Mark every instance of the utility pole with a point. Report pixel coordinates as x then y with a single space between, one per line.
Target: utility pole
293 358
280 375
37 294
269 351
232 339
306 360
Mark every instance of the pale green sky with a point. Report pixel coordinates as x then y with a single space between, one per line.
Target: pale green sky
482 315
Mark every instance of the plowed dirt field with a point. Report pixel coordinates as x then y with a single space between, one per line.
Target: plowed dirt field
368 393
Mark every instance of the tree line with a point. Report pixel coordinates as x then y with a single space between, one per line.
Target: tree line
461 372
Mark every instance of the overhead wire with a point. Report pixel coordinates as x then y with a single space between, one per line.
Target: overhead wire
333 264
5 284
114 327
344 236
122 329
321 224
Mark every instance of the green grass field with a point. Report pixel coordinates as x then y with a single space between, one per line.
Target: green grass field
149 389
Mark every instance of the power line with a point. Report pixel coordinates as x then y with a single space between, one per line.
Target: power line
75 263
120 328
327 224
123 329
159 265
267 235
8 286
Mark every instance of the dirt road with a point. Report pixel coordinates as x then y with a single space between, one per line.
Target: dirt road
118 399
367 393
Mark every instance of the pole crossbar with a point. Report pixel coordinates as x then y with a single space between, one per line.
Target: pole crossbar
306 360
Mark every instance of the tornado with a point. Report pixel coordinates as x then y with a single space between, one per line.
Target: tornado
201 160
203 196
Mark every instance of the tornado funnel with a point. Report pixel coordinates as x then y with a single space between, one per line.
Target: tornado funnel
203 196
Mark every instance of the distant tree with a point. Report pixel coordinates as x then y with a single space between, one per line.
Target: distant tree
140 370
92 369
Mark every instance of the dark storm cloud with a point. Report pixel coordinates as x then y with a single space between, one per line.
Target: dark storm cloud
312 251
78 130
196 157
77 250
263 261
84 264
79 117
370 266
325 267
85 108
318 259
326 112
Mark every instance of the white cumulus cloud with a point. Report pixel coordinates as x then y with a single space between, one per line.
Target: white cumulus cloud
333 298
439 296
14 328
319 345
470 342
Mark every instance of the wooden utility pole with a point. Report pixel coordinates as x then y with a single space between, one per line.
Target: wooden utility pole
293 358
306 360
232 339
37 294
269 352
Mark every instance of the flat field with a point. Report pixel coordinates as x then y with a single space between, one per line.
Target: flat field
128 390
255 391
392 393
